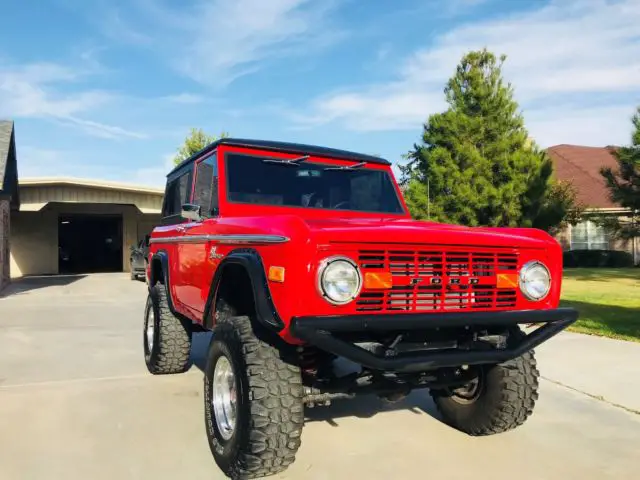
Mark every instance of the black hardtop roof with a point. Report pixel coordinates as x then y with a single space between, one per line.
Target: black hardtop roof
284 147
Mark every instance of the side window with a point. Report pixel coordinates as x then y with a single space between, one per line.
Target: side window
206 186
177 193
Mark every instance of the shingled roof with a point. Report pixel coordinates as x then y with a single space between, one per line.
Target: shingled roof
581 166
8 162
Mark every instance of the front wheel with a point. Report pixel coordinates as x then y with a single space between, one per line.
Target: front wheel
501 398
166 337
253 403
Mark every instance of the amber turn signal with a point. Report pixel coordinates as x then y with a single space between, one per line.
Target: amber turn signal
276 274
507 280
378 280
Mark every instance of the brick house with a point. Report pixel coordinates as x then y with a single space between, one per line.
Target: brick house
8 194
581 166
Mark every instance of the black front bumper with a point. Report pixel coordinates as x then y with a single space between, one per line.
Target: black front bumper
321 332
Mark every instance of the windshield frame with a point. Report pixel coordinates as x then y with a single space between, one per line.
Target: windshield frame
316 161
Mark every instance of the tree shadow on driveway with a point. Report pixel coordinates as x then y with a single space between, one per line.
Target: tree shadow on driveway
613 320
366 406
24 285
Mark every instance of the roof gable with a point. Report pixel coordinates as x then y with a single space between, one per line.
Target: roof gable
581 166
8 163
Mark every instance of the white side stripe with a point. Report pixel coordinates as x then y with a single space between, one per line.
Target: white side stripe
224 239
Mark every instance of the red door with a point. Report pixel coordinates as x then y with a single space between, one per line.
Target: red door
193 254
195 267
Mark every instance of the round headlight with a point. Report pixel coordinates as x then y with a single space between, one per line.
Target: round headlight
339 280
535 280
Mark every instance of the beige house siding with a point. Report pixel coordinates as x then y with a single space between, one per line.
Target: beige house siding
4 242
34 243
34 239
35 197
34 236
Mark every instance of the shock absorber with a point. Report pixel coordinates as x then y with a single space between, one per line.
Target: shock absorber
309 358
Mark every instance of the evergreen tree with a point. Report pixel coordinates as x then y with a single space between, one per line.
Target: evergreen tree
624 185
476 160
195 141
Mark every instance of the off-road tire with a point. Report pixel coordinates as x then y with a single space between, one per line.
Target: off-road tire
507 396
270 410
171 352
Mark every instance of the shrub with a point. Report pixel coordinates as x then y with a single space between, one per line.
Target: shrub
597 258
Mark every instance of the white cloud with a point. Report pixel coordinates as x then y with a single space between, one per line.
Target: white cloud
592 126
379 107
185 98
34 91
566 47
155 176
217 41
37 162
117 29
44 162
102 130
242 33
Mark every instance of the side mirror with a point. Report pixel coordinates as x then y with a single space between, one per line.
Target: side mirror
191 212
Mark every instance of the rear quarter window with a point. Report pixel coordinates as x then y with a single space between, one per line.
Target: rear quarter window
176 194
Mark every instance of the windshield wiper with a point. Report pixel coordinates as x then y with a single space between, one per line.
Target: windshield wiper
347 167
287 161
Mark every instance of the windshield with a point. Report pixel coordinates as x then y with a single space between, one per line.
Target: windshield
263 181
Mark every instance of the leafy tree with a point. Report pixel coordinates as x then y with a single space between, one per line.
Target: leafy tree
476 164
559 208
624 185
195 142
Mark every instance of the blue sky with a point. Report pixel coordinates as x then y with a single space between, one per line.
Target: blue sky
108 89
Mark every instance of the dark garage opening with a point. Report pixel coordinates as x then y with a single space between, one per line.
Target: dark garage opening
89 243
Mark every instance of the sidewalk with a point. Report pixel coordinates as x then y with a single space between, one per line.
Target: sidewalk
603 368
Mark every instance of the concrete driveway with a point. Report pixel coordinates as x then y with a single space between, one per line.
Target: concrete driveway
76 402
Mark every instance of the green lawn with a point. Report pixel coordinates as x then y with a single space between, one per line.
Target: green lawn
608 301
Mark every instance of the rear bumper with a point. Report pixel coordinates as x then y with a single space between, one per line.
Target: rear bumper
321 332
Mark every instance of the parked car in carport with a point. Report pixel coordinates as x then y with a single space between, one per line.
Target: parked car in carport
138 258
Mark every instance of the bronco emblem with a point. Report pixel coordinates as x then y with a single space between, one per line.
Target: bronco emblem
214 255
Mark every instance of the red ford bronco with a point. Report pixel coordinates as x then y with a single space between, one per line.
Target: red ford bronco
302 260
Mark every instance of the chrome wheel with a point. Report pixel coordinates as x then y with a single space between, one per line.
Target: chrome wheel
151 327
224 397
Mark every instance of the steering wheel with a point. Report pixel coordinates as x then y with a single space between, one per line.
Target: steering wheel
343 204
312 197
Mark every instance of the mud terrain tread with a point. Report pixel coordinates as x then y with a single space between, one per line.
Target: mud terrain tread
515 389
276 411
174 338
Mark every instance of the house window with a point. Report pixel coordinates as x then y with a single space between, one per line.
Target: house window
587 235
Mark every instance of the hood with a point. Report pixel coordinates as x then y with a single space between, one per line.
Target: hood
407 231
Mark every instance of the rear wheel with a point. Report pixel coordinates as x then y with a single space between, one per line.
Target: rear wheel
501 398
167 338
253 402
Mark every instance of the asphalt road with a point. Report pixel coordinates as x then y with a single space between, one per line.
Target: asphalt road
76 402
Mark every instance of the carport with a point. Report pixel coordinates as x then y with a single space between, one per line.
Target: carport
79 226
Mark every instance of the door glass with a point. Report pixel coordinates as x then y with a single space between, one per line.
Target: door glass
205 193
